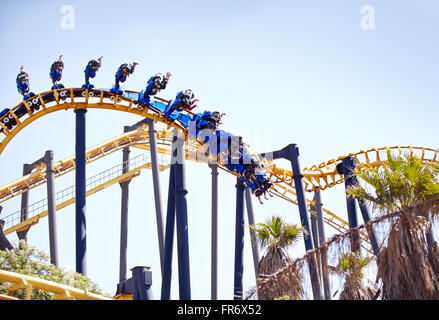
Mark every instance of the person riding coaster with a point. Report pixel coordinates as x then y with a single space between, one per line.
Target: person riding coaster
184 100
256 180
230 151
155 84
122 74
90 71
252 170
56 73
23 84
208 120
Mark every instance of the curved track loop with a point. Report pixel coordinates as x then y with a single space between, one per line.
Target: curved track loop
324 175
321 176
137 138
78 98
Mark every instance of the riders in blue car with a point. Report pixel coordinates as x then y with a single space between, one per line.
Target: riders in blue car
56 73
183 101
90 71
23 84
154 85
229 150
122 74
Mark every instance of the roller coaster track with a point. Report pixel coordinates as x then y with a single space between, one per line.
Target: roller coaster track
316 177
66 197
137 138
79 98
321 176
325 175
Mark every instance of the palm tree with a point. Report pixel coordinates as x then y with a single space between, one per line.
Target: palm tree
276 236
407 267
350 266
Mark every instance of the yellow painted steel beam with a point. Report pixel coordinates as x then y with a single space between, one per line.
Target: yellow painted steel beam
62 292
5 297
279 180
138 138
320 176
98 101
61 167
324 175
35 219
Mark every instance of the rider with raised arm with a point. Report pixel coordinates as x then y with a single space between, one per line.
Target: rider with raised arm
183 101
23 80
122 74
56 73
90 71
155 84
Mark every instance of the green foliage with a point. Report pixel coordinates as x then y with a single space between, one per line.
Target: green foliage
276 236
351 264
276 233
28 260
408 267
403 182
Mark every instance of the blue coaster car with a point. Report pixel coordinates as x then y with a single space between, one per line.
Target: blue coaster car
229 149
7 119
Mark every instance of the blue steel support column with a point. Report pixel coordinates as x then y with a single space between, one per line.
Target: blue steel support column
323 252
293 155
142 281
345 168
51 207
251 221
178 155
156 185
81 244
169 239
348 164
366 218
239 240
124 216
4 242
316 240
214 242
314 228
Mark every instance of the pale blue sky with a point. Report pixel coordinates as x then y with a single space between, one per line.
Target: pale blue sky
284 72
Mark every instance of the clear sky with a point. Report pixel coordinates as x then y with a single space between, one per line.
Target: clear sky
304 72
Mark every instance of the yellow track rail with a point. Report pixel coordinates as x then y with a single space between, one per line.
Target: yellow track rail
321 176
324 175
65 99
23 225
62 292
138 138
